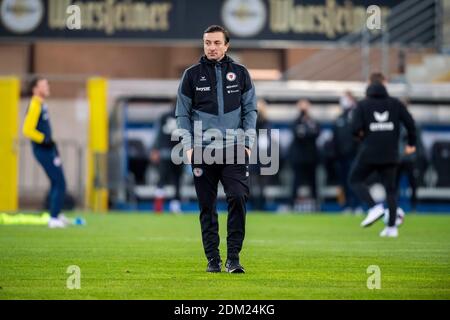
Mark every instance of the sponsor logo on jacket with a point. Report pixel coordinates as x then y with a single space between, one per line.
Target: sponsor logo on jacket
203 88
381 124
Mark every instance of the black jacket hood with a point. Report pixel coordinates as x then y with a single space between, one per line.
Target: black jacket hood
376 90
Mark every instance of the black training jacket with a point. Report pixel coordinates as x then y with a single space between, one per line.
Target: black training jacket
219 94
377 120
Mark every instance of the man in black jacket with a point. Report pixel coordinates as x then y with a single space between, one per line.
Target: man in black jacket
304 154
345 147
411 164
218 95
264 142
376 121
169 172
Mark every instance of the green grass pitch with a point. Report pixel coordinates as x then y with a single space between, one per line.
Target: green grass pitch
146 256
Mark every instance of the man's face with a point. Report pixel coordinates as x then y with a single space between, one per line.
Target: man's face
42 88
303 105
214 45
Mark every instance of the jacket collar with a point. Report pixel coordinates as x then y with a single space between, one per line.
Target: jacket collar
39 99
225 59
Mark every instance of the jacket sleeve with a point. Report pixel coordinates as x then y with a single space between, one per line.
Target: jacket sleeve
408 122
184 110
313 132
249 110
357 122
29 128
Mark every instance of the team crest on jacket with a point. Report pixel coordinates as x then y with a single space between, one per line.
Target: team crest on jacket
231 76
198 172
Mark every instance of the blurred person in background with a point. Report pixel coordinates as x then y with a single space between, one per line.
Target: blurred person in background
409 164
304 154
346 146
257 181
160 155
37 128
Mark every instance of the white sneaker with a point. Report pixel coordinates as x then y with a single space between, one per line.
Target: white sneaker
64 219
375 213
55 223
400 217
390 232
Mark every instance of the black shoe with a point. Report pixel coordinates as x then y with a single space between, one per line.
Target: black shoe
233 266
214 265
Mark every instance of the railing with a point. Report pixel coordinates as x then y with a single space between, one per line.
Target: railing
412 23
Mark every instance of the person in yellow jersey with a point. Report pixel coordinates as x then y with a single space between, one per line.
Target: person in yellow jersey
37 128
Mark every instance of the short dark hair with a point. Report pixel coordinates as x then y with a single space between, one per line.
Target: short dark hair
217 28
377 77
33 83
